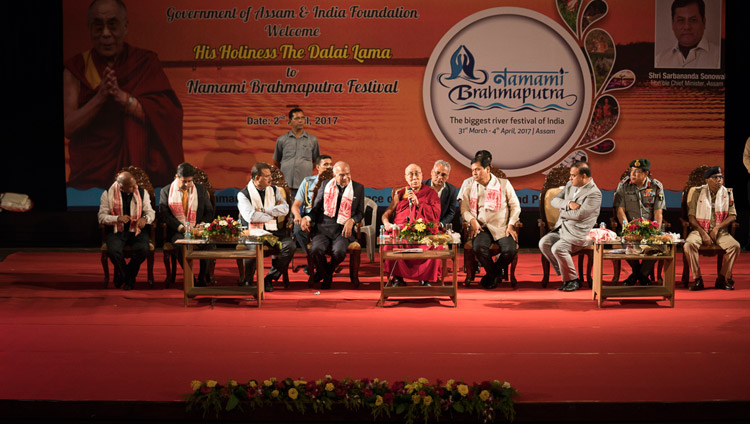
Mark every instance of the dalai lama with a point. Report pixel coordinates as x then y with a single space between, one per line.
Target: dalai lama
119 108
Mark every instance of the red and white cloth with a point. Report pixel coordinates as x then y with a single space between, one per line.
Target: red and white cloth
703 208
268 202
329 202
601 235
175 203
493 196
114 197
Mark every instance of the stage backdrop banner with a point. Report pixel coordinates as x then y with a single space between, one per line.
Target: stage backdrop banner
538 83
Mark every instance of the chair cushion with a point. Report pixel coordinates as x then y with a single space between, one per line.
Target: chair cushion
551 213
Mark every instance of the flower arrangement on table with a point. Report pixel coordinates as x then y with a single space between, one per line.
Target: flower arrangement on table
410 399
423 232
223 228
640 229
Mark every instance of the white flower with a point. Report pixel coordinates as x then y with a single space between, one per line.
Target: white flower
506 385
223 223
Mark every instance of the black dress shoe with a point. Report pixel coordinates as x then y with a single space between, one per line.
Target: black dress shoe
490 281
723 284
572 285
644 280
268 283
696 285
118 280
503 273
397 281
425 283
306 270
564 284
326 284
128 286
631 280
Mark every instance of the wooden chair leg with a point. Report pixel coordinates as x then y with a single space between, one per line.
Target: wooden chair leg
513 265
241 270
470 265
685 270
167 267
311 270
545 271
210 273
354 259
105 267
616 271
150 265
589 267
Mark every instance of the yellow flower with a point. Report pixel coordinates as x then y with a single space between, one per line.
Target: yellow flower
253 383
273 379
275 393
423 380
419 220
484 395
449 384
463 389
378 400
232 383
427 400
298 383
267 383
420 227
376 381
329 387
409 388
293 393
328 377
195 385
415 398
211 383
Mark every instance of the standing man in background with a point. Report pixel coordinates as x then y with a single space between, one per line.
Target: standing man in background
296 151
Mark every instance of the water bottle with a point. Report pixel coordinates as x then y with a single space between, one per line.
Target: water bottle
602 225
188 231
381 236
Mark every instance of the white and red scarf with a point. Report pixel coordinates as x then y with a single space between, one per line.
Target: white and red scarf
493 196
175 203
268 202
329 201
114 197
703 208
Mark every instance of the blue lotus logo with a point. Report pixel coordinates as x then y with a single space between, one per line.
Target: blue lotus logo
462 66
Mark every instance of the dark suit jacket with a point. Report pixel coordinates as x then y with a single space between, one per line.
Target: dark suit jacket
327 225
448 199
205 212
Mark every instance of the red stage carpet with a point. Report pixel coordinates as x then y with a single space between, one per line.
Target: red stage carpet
67 338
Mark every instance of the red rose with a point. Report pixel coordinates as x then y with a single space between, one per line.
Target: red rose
252 392
388 398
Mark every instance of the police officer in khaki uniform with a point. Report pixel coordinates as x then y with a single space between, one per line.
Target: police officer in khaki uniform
639 196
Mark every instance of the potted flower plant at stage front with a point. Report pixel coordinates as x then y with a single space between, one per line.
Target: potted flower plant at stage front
223 228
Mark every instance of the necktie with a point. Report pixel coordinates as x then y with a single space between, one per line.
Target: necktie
185 202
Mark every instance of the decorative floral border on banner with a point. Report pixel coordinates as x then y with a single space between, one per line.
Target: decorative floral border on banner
411 399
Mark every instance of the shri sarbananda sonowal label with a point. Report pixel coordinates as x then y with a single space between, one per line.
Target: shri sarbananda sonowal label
511 81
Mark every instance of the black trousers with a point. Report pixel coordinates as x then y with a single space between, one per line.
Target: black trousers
321 245
643 268
481 246
116 243
278 265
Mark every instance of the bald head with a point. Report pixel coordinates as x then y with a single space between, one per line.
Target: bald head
413 175
127 182
108 26
342 173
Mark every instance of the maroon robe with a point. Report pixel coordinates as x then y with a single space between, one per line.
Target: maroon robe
113 139
429 210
